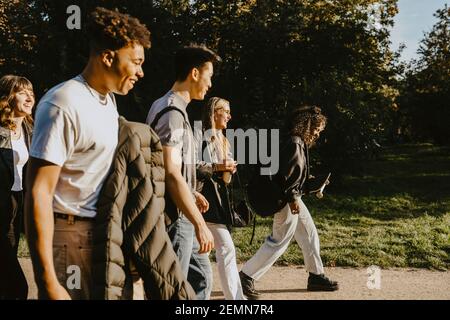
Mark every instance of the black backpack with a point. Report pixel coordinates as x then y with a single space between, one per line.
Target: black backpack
264 194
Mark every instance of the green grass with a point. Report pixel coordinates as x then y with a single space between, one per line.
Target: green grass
395 215
23 248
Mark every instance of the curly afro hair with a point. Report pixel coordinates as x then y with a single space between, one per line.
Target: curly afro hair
304 121
113 30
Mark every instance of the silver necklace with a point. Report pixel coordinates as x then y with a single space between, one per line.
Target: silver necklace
15 135
103 101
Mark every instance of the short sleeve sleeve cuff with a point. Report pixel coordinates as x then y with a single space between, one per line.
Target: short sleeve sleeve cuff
53 135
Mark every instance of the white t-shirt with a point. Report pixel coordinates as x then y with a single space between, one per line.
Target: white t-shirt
76 132
20 153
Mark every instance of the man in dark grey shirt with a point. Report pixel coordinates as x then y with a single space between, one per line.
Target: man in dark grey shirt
194 70
171 130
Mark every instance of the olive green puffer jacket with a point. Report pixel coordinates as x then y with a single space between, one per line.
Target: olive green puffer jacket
130 223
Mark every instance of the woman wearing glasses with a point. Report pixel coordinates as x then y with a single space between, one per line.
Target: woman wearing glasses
213 183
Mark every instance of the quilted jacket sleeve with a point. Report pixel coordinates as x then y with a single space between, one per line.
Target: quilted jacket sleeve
146 240
108 259
130 223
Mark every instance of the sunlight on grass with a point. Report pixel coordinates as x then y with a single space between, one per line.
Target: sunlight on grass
396 215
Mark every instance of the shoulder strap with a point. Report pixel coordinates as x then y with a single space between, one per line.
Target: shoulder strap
163 112
307 161
247 203
155 122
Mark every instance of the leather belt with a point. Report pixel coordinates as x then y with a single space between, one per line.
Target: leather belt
71 218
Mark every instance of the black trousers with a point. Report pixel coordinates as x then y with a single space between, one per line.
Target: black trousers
13 284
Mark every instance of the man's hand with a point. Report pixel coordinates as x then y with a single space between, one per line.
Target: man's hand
201 202
182 196
42 177
56 292
295 207
205 238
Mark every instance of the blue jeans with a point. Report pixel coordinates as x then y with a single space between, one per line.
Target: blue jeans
196 267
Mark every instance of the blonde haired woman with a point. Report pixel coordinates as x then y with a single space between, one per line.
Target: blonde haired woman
213 185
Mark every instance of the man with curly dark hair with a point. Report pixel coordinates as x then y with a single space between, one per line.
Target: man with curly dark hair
75 137
293 220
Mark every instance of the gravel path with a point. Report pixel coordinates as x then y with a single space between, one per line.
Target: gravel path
289 283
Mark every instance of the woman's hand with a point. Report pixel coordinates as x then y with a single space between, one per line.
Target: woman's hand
227 165
295 207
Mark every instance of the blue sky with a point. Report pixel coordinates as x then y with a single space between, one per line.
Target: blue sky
414 18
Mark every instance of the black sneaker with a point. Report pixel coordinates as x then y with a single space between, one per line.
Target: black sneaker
321 283
248 287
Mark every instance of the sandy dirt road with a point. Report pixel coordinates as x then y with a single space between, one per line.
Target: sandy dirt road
289 283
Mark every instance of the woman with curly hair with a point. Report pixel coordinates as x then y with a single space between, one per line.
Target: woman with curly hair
16 104
214 184
294 220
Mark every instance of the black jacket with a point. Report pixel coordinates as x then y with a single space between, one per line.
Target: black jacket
294 168
216 192
7 179
268 194
7 158
211 185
